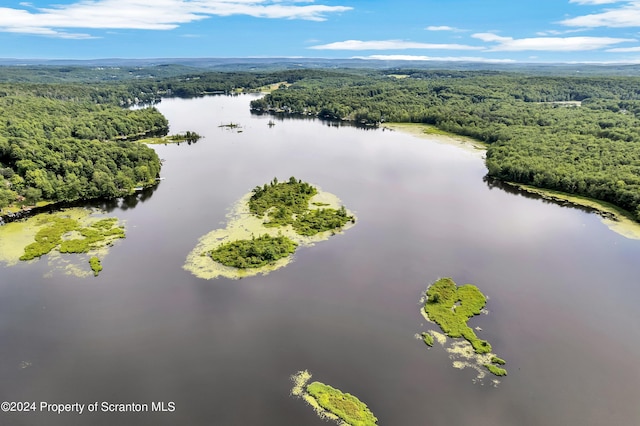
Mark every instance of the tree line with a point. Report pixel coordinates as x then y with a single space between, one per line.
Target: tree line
579 135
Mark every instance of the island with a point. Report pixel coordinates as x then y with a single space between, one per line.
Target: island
451 306
331 403
77 231
266 227
189 137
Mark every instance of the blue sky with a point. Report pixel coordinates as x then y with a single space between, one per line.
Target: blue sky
484 30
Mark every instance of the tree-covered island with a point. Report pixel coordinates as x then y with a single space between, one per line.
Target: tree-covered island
451 306
268 225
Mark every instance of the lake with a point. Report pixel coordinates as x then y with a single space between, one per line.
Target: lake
563 293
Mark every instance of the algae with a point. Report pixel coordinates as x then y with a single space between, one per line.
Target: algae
82 232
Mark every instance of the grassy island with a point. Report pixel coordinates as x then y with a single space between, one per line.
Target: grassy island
331 403
451 307
255 252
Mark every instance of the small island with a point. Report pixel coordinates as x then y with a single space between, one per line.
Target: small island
188 136
266 227
451 307
331 403
72 231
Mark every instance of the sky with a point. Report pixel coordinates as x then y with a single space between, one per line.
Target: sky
501 31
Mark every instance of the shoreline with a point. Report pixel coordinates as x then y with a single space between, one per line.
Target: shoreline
615 218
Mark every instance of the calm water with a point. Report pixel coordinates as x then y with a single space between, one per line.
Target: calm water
563 293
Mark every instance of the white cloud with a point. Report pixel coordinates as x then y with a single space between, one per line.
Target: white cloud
595 2
624 49
149 14
433 58
627 15
442 28
389 45
549 44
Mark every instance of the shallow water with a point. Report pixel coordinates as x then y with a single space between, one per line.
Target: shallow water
562 293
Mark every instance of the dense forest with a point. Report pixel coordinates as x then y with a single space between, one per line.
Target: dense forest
579 135
63 149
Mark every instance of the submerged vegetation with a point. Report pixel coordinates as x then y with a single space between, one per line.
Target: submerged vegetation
255 252
51 236
451 307
331 403
72 231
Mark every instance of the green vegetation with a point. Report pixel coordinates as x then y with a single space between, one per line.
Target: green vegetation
589 147
52 235
346 406
427 339
244 225
255 252
65 147
451 307
496 370
281 201
96 266
499 361
319 220
188 136
287 203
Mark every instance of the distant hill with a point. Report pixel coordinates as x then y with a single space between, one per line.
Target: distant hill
113 69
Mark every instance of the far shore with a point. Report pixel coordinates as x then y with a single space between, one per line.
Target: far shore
615 218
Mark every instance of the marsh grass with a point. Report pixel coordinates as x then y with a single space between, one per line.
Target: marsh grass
96 265
451 307
499 361
54 230
344 405
427 339
494 369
